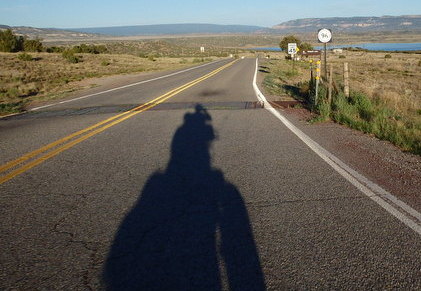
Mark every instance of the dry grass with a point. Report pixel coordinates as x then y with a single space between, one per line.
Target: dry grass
395 80
282 77
49 75
385 93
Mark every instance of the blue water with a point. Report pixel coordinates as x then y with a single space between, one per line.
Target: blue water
389 47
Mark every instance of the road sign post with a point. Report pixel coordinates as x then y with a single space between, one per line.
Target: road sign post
292 50
325 35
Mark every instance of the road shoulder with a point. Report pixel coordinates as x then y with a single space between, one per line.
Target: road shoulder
380 161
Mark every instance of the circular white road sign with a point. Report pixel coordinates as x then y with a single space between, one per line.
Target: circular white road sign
324 35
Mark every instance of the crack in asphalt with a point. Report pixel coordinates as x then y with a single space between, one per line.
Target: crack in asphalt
88 246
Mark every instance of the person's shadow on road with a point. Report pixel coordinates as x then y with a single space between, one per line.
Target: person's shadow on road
189 229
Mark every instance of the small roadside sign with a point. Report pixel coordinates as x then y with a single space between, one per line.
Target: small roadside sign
324 35
312 53
202 49
292 48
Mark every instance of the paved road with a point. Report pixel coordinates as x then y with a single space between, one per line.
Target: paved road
205 191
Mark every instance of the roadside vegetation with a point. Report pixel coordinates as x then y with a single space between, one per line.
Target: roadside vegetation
32 72
10 43
385 96
27 78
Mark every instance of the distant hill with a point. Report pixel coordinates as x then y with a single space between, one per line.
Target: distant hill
352 24
408 23
49 33
172 29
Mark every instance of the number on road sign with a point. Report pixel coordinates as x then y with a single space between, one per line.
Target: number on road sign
324 35
292 48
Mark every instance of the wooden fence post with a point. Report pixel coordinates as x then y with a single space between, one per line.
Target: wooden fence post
346 79
329 96
317 82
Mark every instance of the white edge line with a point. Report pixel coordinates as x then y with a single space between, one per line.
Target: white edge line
126 86
407 215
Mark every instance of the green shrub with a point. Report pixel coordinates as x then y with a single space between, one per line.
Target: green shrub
151 58
70 57
342 57
388 56
323 109
55 49
25 57
289 39
291 73
7 108
105 63
305 46
361 113
363 105
33 45
89 49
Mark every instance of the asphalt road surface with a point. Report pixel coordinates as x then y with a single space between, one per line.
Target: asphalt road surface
201 189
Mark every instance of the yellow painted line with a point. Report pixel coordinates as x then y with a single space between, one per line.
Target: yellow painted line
124 116
32 154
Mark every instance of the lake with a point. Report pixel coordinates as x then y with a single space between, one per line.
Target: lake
389 47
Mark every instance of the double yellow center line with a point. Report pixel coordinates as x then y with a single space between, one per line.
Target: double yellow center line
44 153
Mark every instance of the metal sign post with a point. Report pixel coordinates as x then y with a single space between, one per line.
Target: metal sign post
325 66
325 35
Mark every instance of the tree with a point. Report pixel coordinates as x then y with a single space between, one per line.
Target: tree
289 39
305 46
10 42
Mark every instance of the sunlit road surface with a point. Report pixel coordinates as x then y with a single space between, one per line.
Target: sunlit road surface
187 183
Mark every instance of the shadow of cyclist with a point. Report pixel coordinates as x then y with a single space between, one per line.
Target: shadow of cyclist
189 229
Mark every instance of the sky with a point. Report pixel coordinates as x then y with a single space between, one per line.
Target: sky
102 13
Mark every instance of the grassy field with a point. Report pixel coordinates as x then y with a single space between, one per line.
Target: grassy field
385 93
166 47
45 76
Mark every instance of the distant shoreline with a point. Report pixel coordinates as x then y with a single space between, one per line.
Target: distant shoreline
383 47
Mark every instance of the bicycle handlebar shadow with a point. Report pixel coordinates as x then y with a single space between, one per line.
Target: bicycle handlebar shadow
190 229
